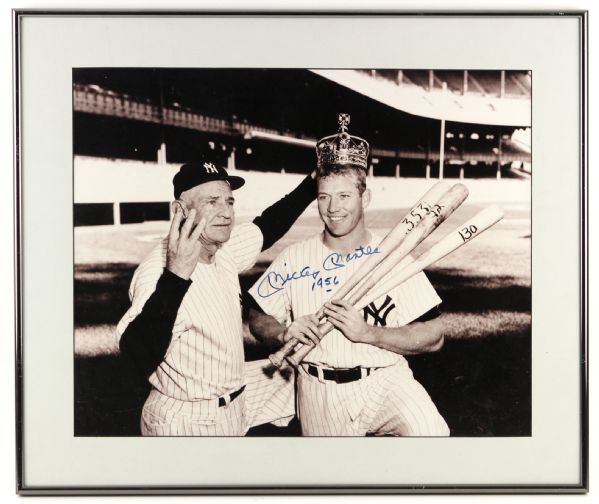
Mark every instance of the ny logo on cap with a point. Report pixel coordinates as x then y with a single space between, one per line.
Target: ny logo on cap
210 168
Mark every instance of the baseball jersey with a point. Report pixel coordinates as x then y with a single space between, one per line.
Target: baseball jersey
307 274
205 358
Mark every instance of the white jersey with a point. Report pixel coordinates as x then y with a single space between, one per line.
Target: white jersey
307 274
205 358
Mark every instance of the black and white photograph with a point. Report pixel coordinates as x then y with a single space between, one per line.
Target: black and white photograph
300 252
277 252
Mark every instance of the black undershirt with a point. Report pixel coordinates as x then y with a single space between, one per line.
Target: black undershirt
276 220
147 337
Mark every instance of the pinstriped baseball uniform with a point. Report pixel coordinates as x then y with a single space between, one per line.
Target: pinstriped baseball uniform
389 401
205 358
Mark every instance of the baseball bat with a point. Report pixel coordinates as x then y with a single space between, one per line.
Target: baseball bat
448 244
482 221
395 236
386 246
438 213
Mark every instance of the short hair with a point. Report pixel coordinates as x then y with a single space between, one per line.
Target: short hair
344 170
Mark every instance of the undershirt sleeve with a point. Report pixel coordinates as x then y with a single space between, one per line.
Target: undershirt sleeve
147 337
278 218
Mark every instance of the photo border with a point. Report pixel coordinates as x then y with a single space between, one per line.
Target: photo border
19 14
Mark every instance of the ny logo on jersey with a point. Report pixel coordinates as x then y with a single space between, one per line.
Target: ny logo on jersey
210 168
379 313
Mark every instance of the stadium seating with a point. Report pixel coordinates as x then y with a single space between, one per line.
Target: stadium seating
261 120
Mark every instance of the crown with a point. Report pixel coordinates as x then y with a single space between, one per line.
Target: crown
342 148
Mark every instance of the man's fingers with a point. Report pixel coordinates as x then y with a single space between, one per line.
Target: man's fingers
338 324
334 316
310 324
319 314
309 328
302 338
307 336
298 335
186 229
342 302
287 335
173 233
328 307
195 234
314 335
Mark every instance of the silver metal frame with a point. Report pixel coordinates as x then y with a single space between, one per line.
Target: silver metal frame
19 14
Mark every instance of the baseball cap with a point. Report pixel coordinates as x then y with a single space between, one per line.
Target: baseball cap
194 174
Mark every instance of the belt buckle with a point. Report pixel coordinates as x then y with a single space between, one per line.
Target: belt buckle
227 399
345 375
357 373
337 376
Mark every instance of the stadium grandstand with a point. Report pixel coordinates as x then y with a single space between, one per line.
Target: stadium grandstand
132 128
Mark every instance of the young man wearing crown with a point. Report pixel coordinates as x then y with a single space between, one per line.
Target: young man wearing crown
356 380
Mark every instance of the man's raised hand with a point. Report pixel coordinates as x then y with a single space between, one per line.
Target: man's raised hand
184 244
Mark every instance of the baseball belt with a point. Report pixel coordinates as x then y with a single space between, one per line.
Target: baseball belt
222 401
341 375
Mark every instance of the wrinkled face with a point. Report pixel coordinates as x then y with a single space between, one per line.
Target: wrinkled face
212 201
340 205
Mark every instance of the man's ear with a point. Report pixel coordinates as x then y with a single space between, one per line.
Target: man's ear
366 198
180 204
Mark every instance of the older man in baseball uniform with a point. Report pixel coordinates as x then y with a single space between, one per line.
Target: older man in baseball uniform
356 380
184 327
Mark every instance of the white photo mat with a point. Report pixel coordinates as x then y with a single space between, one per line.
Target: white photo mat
52 45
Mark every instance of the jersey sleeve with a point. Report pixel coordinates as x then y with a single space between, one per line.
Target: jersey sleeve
270 290
244 245
413 299
143 285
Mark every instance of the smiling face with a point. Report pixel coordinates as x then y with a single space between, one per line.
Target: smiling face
212 201
341 204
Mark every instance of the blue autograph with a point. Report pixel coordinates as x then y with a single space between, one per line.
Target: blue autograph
336 260
275 282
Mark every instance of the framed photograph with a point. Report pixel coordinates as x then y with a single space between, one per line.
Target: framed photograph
301 253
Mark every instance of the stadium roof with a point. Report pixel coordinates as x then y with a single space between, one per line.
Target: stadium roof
489 104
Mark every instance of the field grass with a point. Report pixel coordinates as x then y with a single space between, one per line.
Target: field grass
480 380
